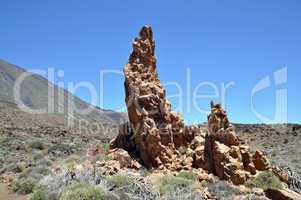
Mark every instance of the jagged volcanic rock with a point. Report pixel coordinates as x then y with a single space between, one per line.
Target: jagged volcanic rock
224 155
155 130
158 137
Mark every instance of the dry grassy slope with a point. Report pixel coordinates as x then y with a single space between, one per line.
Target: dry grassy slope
281 142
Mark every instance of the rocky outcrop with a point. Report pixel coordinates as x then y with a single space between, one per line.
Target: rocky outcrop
157 135
224 156
123 158
260 161
153 128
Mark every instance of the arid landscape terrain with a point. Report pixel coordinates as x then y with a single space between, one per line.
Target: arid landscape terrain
148 153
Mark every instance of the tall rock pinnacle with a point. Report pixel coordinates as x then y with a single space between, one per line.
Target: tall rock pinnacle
157 136
157 130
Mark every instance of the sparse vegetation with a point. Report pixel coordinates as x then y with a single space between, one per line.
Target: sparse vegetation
38 156
24 186
172 184
37 144
222 189
187 175
265 180
14 167
120 180
61 149
83 192
38 194
106 148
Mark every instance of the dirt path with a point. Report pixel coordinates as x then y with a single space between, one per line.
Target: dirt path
5 194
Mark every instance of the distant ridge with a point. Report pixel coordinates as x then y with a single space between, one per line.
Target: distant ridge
34 94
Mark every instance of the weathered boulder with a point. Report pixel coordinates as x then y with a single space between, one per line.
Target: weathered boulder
260 161
282 175
124 159
284 194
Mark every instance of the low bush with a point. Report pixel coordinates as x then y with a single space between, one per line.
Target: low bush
14 167
265 180
23 186
37 144
119 180
172 184
106 148
222 190
38 194
131 186
38 156
36 172
83 192
187 175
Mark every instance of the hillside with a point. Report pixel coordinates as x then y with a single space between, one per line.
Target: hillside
34 94
281 142
22 134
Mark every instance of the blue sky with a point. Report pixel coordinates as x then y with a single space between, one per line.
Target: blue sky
219 41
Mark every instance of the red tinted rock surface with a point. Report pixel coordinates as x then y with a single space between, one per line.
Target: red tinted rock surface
124 159
224 156
158 136
260 161
155 130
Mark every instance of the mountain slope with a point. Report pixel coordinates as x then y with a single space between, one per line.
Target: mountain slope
23 135
34 94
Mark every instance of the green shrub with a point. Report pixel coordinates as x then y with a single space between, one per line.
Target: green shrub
23 186
83 192
171 184
265 180
38 156
106 148
38 194
37 144
36 172
120 180
187 175
16 168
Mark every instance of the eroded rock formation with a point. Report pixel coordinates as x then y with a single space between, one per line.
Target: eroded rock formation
155 130
157 135
223 153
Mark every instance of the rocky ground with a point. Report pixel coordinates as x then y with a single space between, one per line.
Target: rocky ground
54 173
281 142
24 136
152 156
34 152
